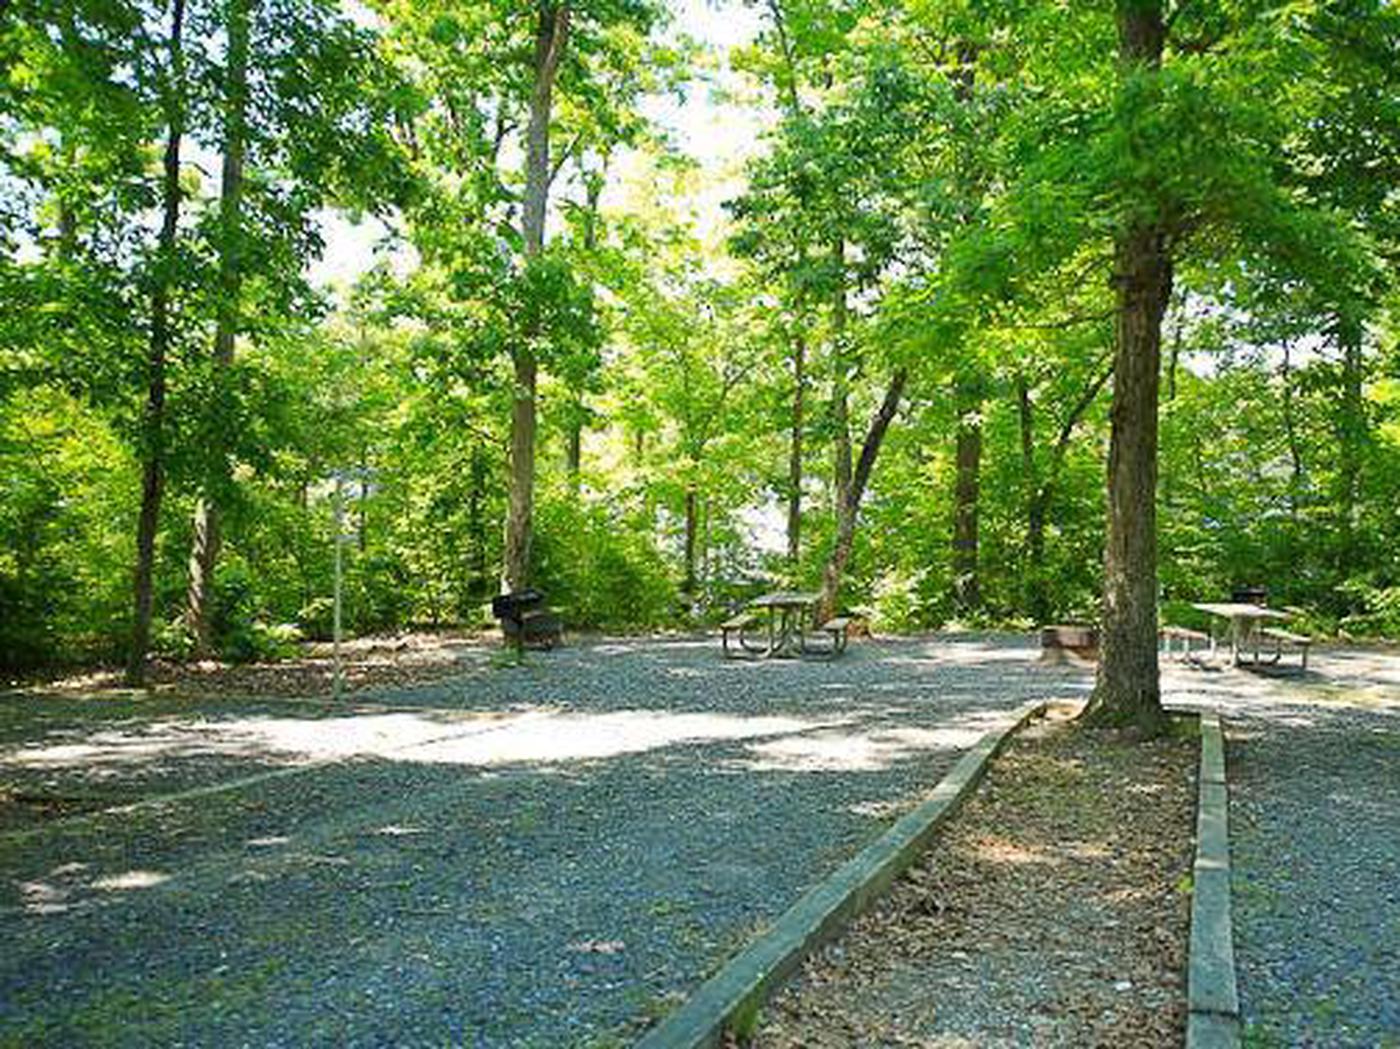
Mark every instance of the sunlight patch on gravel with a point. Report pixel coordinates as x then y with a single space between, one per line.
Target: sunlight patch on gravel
852 751
575 737
131 880
536 736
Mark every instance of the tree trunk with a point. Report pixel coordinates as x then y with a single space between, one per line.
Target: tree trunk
794 512
848 511
204 552
1127 689
691 523
476 525
1290 429
573 453
1041 485
153 422
550 39
578 413
967 594
1351 436
840 385
1037 600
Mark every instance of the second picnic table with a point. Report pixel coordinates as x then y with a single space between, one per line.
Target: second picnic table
786 611
791 625
1245 620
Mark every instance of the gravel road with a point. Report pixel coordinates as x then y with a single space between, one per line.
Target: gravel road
549 855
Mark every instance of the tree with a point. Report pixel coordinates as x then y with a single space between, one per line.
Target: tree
205 549
153 428
315 135
583 71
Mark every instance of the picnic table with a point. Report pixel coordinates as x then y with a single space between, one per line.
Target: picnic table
787 616
787 610
1246 624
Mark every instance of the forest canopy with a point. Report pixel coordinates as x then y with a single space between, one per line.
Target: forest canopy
972 259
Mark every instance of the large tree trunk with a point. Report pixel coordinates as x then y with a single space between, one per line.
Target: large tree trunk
204 552
848 510
967 590
1128 689
550 39
794 494
153 422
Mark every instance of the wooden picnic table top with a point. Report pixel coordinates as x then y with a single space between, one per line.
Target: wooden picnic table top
785 599
1239 610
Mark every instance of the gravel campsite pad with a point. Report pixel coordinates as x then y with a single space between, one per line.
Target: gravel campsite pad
1313 761
1315 833
1052 910
547 855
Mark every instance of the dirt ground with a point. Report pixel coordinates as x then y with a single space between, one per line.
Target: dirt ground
367 663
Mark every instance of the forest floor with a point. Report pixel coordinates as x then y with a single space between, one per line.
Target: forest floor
1052 911
368 663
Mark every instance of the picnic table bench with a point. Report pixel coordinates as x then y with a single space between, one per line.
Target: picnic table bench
737 625
838 627
1171 634
1281 637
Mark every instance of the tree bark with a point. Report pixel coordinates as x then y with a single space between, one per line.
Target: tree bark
1041 485
840 383
1351 436
967 591
1037 601
153 422
208 524
794 494
1127 690
1290 429
573 452
691 529
848 510
479 582
578 412
550 39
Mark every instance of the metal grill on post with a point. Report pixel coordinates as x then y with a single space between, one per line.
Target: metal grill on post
525 620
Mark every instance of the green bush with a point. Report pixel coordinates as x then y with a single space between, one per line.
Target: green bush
1381 618
598 572
259 642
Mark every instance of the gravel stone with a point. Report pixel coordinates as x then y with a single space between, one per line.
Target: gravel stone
648 808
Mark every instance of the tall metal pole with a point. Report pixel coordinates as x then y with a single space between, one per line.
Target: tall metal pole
338 682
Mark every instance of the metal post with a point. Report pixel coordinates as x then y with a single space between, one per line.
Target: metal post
337 684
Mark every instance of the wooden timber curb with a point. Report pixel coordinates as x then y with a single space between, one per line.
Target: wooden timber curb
1213 1020
731 998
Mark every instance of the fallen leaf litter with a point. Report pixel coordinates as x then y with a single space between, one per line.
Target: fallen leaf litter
1051 911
